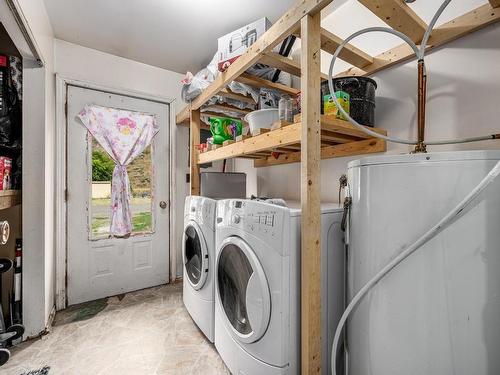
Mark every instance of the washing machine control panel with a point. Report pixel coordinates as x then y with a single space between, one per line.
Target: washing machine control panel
262 220
202 210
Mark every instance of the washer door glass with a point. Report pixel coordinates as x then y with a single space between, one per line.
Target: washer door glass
195 256
243 290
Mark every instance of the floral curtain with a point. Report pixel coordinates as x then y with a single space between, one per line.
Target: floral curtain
124 135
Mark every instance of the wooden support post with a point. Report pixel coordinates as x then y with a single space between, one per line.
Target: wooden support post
194 141
310 197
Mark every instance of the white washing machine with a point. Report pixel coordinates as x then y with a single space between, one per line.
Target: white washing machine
198 254
257 308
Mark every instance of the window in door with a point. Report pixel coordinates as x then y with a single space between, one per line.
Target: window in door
140 173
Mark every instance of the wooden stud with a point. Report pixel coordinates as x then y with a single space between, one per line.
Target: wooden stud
282 63
495 3
226 93
261 82
183 117
350 53
367 146
398 15
311 334
228 108
194 141
285 64
459 27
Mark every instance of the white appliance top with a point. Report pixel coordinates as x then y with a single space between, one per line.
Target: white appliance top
422 158
326 208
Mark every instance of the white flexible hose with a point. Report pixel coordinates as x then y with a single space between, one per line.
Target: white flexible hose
431 233
420 55
332 89
427 33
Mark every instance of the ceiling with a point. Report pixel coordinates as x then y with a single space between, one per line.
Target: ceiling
178 35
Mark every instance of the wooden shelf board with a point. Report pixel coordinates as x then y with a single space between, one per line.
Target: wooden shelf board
9 198
281 146
260 82
367 146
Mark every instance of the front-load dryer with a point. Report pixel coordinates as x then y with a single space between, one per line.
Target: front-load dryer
257 308
198 256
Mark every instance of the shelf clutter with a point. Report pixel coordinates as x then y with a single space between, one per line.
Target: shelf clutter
281 144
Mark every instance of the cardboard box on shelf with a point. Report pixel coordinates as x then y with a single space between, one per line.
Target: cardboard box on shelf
5 173
233 45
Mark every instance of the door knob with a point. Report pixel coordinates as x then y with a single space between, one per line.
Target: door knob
163 204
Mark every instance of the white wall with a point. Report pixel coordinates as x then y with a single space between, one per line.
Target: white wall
463 92
85 64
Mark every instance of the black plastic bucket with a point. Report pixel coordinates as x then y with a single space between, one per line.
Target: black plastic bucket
362 93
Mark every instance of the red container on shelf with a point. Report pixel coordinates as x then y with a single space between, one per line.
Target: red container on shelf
5 173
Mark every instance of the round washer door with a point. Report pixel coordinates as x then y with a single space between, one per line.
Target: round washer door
195 255
243 291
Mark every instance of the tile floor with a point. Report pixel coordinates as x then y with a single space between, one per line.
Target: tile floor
147 332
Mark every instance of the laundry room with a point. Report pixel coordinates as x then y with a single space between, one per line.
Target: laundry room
249 187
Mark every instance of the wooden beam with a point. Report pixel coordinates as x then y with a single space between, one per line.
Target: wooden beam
261 82
281 62
228 108
398 15
183 116
226 93
350 54
368 146
459 27
495 3
284 27
194 141
311 334
281 137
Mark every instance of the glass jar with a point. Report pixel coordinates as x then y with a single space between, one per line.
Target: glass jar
285 108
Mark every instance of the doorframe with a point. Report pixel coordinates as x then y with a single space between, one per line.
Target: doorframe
62 84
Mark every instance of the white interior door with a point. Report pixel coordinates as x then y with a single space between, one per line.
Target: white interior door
99 265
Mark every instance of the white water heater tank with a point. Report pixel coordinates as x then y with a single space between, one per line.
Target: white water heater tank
438 312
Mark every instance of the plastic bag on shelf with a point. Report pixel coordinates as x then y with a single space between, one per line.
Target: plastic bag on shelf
193 85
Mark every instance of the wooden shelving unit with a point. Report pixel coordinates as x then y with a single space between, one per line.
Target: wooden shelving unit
314 137
9 198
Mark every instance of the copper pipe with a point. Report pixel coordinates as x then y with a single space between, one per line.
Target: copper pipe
422 96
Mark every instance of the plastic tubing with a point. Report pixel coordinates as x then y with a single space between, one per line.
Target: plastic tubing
453 215
427 33
420 55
